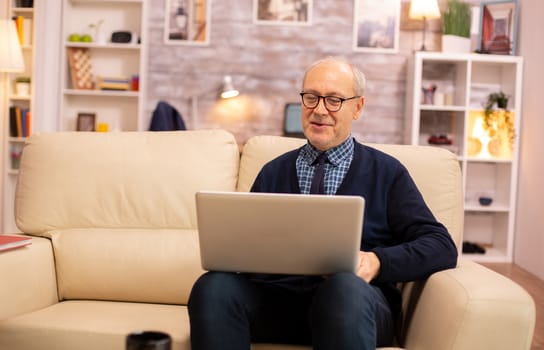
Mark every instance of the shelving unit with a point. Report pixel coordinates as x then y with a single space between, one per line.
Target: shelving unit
455 111
121 110
13 144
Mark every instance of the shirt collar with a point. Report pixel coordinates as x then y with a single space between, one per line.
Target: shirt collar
334 155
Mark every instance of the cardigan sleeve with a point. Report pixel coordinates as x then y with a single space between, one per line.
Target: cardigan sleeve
423 246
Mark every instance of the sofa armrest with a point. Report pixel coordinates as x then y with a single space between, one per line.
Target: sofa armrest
471 307
28 280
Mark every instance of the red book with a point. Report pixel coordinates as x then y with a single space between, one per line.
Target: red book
8 242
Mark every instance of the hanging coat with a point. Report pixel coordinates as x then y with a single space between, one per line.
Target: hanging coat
166 118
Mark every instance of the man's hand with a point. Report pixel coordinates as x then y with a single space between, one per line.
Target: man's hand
369 266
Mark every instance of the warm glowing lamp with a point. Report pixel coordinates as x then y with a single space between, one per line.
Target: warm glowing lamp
479 133
11 57
228 90
424 10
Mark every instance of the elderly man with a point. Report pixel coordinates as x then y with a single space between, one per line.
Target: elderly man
403 241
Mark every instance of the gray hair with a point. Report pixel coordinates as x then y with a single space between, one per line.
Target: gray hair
359 80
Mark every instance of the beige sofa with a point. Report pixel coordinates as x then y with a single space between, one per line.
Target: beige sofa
115 247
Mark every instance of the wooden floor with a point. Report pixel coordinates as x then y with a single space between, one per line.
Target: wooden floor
534 286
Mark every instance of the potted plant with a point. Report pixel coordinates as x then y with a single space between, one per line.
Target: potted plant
22 86
497 118
99 34
456 27
500 99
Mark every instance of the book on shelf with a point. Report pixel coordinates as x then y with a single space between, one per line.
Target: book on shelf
20 121
18 20
8 242
24 29
113 83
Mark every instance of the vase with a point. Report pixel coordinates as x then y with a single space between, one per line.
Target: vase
455 44
22 89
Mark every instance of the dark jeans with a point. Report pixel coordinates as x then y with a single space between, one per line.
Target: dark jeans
229 311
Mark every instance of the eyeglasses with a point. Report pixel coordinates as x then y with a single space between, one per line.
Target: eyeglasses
332 103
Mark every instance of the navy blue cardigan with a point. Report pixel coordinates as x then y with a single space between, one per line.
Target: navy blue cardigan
398 226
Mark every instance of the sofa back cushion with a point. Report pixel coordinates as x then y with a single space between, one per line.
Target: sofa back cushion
436 172
121 180
120 208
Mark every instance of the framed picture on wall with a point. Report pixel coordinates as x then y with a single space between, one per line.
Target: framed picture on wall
498 27
282 12
86 122
376 25
187 22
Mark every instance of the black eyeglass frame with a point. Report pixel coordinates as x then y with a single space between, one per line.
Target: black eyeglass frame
319 97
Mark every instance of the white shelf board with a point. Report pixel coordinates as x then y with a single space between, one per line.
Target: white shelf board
20 97
447 108
488 160
105 1
22 10
488 209
17 139
101 93
95 45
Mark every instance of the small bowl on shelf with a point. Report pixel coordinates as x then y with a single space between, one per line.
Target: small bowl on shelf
485 201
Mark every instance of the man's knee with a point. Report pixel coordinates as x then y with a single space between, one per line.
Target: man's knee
217 308
214 287
344 294
345 284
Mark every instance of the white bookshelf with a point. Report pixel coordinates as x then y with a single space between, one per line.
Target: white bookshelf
464 81
12 143
120 110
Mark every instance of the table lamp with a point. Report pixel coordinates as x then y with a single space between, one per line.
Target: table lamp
11 58
424 9
222 92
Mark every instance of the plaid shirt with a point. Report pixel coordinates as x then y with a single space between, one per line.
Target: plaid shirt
336 167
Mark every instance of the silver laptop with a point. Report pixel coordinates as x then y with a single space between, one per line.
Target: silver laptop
279 233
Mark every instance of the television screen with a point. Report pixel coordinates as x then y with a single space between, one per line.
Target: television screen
292 125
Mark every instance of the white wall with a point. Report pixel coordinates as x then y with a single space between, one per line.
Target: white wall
46 104
529 244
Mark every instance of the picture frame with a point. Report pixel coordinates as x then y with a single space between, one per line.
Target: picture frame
376 26
187 22
283 12
86 122
498 27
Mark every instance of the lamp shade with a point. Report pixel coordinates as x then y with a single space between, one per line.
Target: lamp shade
420 9
11 57
228 89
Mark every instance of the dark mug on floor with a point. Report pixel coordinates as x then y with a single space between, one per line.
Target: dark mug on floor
148 340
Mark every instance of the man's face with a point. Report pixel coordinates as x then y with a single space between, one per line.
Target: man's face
322 128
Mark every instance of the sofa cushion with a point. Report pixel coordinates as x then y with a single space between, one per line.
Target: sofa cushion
24 271
101 325
121 180
138 265
259 150
92 325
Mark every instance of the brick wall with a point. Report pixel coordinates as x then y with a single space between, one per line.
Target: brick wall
267 62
